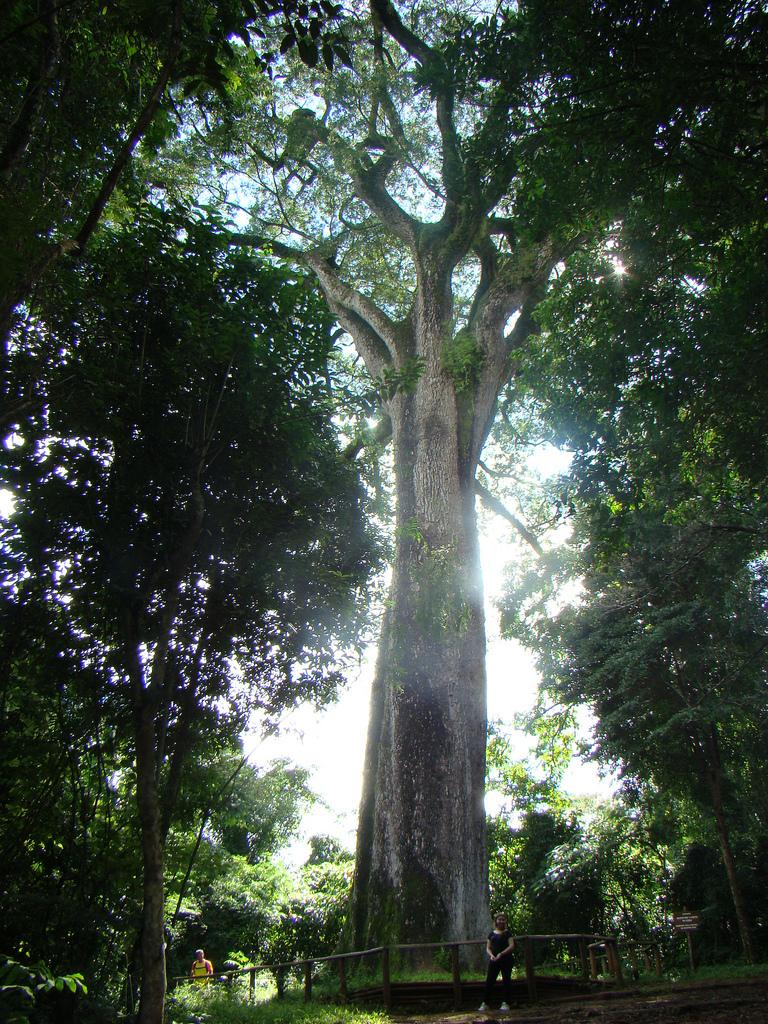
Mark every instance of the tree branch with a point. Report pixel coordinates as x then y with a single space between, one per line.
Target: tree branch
495 505
370 185
39 17
505 226
453 175
22 288
142 123
376 336
380 434
201 832
454 178
384 11
372 349
254 241
345 297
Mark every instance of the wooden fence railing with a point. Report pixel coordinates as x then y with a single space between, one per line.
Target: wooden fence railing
592 951
650 952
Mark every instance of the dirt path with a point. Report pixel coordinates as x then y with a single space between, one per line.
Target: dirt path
742 1001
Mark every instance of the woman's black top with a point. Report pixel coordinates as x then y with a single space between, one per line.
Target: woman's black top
499 941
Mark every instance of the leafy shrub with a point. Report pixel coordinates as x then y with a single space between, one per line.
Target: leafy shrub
21 985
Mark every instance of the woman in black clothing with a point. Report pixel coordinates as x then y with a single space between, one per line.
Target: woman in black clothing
499 948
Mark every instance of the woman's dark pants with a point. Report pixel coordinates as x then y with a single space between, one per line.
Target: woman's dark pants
494 966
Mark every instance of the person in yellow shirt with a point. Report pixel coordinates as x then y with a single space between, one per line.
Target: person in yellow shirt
201 969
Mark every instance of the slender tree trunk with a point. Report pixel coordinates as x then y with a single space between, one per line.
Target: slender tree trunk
153 984
421 872
21 128
21 289
200 833
715 780
148 700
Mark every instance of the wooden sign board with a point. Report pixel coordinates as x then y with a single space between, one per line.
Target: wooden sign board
686 922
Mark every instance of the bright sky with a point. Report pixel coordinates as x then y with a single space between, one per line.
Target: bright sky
331 743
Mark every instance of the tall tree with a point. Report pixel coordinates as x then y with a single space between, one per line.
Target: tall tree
402 121
433 191
184 513
669 651
645 369
560 863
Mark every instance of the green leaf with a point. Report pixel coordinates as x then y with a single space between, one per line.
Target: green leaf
22 990
343 54
308 52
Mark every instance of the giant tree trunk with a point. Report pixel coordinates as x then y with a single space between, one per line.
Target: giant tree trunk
421 872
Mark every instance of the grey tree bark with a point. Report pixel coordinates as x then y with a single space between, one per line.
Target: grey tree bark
421 868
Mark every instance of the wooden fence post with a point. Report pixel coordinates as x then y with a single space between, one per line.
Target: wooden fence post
307 981
657 955
583 957
456 977
386 987
614 963
593 963
343 980
530 974
608 959
252 984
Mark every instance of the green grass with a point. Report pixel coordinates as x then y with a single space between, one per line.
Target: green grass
718 972
217 1005
220 1005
